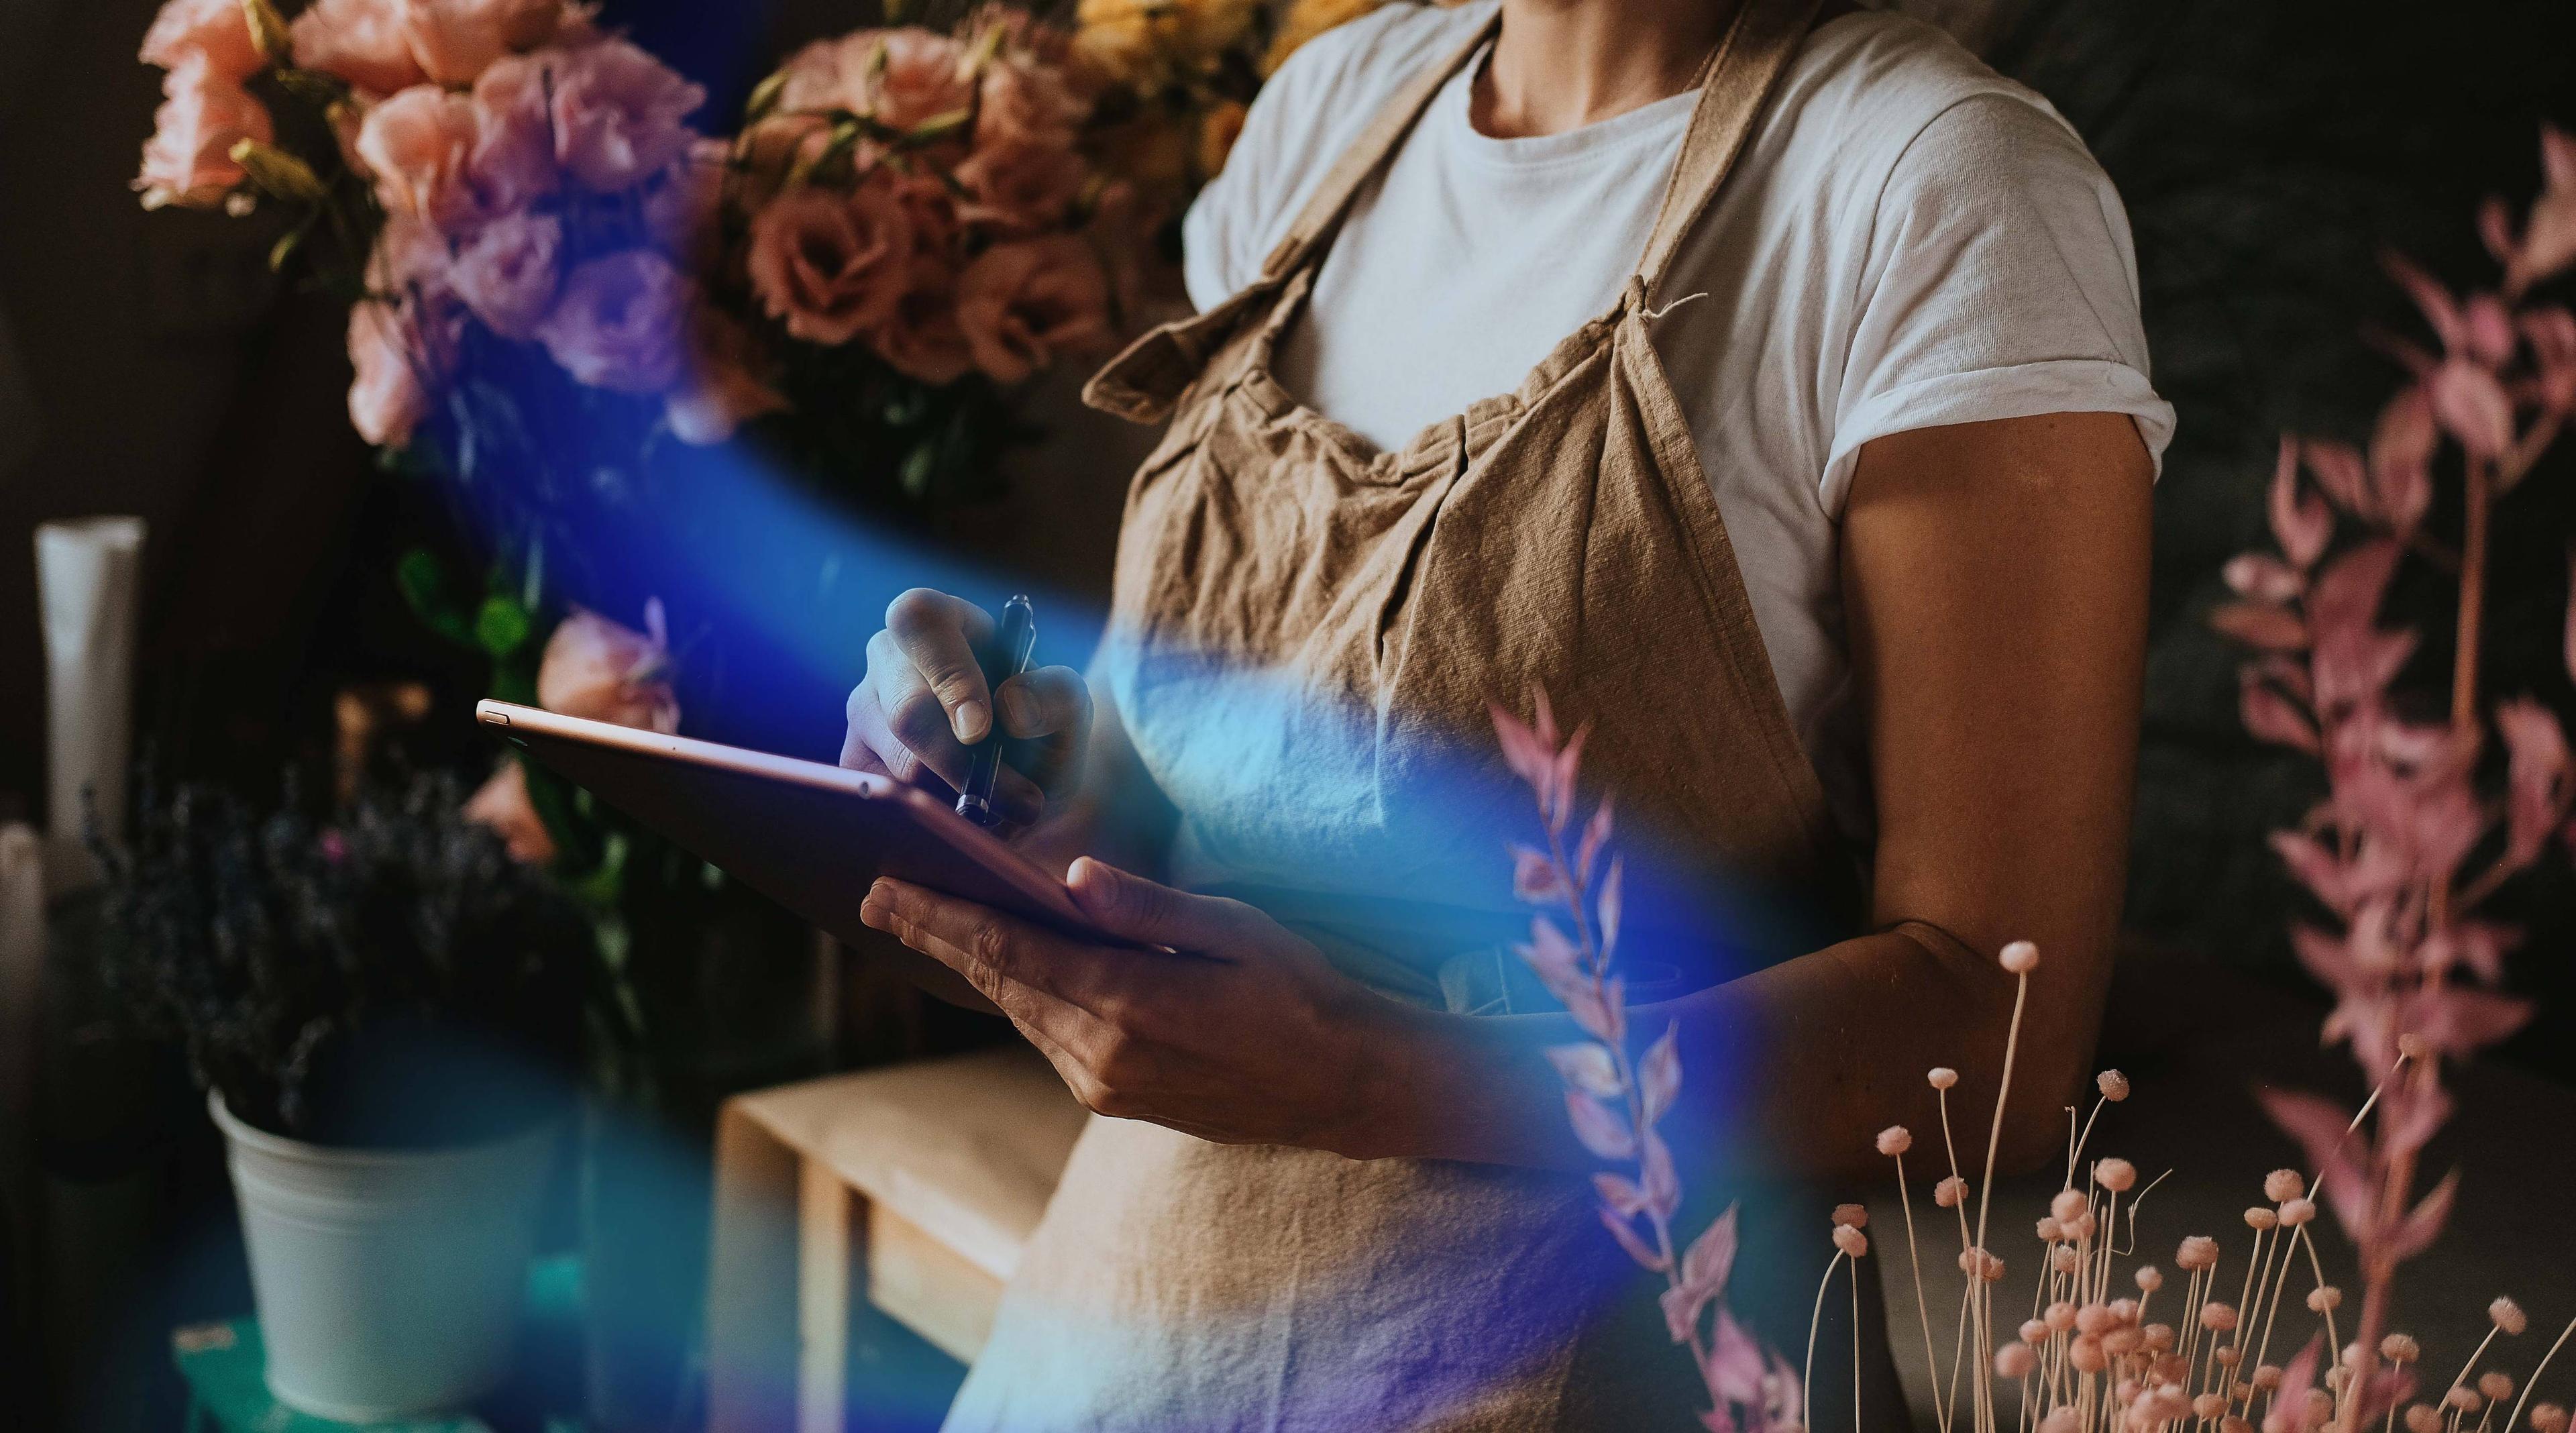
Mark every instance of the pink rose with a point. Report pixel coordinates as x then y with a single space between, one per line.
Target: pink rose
831 265
596 669
723 386
812 78
502 806
1025 104
213 32
514 134
617 114
390 394
922 339
901 78
1020 187
188 160
360 41
456 40
507 274
418 145
1027 303
617 322
411 262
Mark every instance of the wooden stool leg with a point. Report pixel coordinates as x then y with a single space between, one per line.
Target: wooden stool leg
752 1359
824 1210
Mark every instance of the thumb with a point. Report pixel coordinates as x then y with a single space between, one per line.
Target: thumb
1142 910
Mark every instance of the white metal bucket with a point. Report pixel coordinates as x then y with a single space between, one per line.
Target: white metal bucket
389 1281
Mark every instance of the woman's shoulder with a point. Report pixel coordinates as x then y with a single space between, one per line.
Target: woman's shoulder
1305 116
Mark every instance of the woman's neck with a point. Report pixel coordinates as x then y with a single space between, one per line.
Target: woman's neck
1562 64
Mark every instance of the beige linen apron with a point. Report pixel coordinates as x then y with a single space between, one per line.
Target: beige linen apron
1304 639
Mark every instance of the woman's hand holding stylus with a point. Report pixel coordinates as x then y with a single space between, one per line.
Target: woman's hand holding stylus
924 703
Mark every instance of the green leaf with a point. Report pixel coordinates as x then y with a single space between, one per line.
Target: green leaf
919 466
501 626
284 249
424 590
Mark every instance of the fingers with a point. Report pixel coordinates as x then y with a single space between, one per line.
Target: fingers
1030 972
1047 712
939 634
1149 911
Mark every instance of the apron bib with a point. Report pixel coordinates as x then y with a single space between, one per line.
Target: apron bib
1305 636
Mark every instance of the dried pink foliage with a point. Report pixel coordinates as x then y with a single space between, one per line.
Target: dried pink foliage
1615 1102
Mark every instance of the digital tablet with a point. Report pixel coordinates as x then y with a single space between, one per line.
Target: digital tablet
808 836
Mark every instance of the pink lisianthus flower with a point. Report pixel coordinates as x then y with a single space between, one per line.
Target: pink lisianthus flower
901 78
680 210
723 385
502 805
360 41
419 145
597 669
1025 104
1026 303
617 323
508 273
617 114
456 40
832 265
390 395
212 34
1020 187
921 338
188 160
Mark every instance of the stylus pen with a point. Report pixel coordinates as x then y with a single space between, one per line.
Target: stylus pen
1011 646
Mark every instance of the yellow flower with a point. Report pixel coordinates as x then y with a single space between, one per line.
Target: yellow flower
1144 43
1304 21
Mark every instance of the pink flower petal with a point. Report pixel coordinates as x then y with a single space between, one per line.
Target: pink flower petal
2472 407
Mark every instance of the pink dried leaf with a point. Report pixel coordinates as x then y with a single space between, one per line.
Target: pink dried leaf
1710 1259
1647 1256
1549 949
2551 332
1546 728
2260 624
1659 1074
2440 310
2472 407
1596 834
2549 236
1600 1128
2495 230
2489 327
2325 957
1606 909
2423 1224
1522 751
1619 1194
2340 473
1735 1364
2537 781
1681 1311
2290 1401
2349 591
2457 1020
1536 878
2270 716
2320 1127
2301 522
1657 1177
2414 1115
1587 1067
1559 804
2401 457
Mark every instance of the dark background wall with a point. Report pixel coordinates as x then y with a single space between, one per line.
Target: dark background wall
2267 151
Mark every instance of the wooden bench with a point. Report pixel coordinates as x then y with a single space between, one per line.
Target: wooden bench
914 1187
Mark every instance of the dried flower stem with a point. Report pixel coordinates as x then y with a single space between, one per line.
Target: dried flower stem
2538 1369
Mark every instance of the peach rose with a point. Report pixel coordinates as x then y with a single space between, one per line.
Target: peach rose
921 339
1027 303
360 41
616 324
596 669
812 78
502 806
617 114
188 160
411 261
1020 187
724 385
913 76
212 31
419 145
389 395
456 40
831 265
507 274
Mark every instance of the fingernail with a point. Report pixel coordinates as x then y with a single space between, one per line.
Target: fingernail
1020 709
972 722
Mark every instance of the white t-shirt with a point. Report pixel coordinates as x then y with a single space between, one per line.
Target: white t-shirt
1908 241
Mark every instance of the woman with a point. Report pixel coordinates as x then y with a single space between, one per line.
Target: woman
1825 503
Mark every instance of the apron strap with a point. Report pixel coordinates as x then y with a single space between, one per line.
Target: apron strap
1736 82
1362 159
